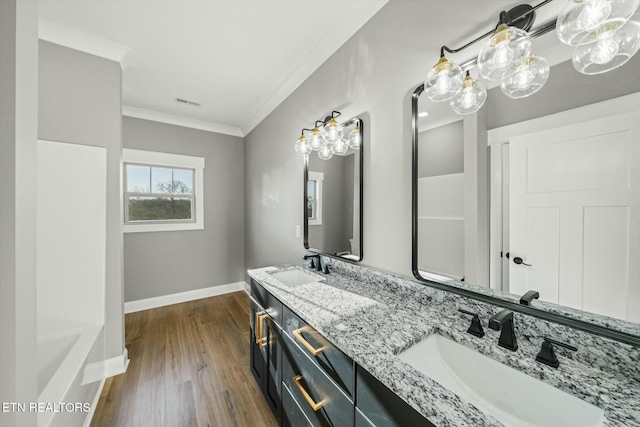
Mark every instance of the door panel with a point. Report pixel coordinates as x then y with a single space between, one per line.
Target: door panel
575 215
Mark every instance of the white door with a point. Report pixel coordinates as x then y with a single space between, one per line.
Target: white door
575 215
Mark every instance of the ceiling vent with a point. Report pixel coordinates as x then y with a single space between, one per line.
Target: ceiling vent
187 102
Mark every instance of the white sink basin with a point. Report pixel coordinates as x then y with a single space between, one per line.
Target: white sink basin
295 278
511 397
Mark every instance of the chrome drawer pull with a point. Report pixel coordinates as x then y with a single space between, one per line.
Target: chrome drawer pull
298 335
315 406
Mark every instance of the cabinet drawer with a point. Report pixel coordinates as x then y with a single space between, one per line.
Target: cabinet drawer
362 420
310 386
332 361
292 413
382 406
267 301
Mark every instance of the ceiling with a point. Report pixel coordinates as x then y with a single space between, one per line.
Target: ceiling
238 59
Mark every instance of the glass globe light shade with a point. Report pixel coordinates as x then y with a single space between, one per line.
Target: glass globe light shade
325 152
332 131
580 22
471 98
443 81
506 46
612 50
525 78
316 139
355 139
302 146
340 147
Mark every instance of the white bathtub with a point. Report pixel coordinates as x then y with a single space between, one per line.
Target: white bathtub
61 360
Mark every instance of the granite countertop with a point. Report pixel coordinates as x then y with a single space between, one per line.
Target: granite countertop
375 319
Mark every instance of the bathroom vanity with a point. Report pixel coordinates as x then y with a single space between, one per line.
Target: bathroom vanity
336 349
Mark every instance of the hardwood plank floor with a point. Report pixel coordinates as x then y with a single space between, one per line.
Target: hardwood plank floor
189 366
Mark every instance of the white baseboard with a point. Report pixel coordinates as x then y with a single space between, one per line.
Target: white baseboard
161 301
106 368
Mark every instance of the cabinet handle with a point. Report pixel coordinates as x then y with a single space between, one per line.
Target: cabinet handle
298 335
260 339
315 406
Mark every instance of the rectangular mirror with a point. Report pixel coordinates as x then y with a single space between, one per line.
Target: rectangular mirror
333 200
540 193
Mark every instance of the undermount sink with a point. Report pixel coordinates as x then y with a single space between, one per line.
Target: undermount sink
295 277
510 396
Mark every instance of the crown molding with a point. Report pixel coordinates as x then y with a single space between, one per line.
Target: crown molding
351 22
74 39
172 119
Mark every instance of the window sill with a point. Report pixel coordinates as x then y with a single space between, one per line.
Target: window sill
146 228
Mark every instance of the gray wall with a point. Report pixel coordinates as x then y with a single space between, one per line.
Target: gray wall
162 263
79 101
18 135
371 76
441 151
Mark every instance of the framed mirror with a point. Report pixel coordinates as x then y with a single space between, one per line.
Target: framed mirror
333 200
540 193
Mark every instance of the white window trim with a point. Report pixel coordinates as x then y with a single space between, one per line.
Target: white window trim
170 160
318 177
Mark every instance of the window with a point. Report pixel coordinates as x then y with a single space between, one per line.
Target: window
314 198
162 191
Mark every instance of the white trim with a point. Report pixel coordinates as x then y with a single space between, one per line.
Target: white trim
172 119
74 39
171 160
94 404
117 365
164 300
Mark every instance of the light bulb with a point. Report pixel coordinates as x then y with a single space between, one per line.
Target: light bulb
505 47
593 14
316 139
332 131
340 146
355 139
301 146
615 46
443 81
503 55
471 98
525 78
325 152
604 51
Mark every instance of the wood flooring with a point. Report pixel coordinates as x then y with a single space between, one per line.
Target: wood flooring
189 367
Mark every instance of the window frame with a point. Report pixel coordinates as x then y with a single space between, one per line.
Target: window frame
316 177
166 160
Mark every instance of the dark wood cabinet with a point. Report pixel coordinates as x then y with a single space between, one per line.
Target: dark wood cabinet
309 382
265 357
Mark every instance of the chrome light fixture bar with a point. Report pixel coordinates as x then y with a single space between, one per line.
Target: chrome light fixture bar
328 139
604 36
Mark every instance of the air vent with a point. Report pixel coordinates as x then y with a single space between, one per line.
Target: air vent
186 101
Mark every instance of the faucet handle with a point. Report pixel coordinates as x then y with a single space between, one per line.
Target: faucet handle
476 327
528 297
546 354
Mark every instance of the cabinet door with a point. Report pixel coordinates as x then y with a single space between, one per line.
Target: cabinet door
292 413
273 381
257 357
382 406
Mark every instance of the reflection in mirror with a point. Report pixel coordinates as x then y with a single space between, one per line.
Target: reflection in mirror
333 201
541 193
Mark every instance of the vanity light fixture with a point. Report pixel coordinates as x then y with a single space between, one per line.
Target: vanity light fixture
604 36
327 138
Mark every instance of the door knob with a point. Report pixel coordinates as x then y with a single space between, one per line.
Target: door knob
519 261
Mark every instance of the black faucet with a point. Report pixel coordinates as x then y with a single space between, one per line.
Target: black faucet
548 356
503 322
528 297
476 327
317 266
